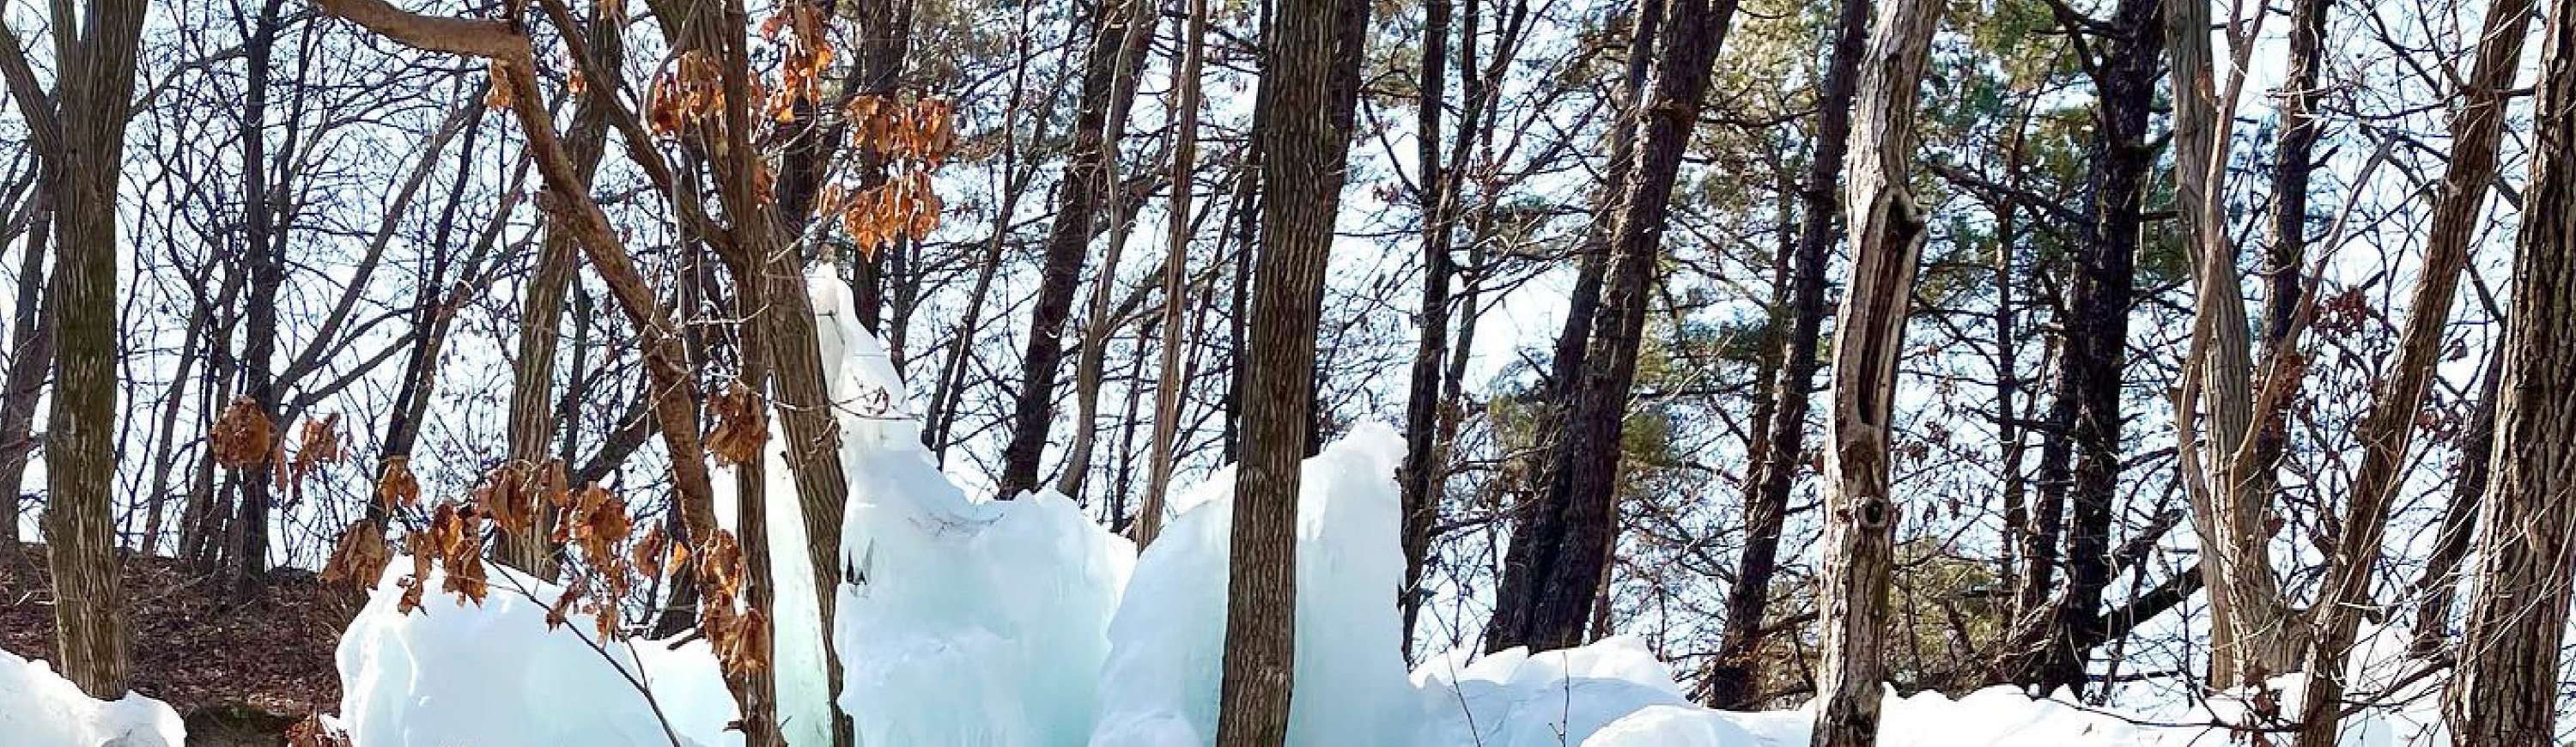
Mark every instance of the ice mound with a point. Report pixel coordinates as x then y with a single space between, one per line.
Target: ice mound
39 708
1167 644
961 621
453 673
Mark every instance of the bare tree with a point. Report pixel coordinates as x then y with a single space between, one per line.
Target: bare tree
2504 689
1869 331
78 131
1303 147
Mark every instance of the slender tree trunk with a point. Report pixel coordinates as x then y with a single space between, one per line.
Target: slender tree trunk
1303 86
1553 570
1775 471
1421 475
1176 298
532 423
2504 689
2389 427
1109 74
31 354
2438 587
1887 231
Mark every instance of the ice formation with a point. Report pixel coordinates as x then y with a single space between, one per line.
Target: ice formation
39 708
453 673
970 622
961 621
1168 641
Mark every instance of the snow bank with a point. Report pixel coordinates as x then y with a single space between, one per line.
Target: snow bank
41 709
961 621
1167 644
453 673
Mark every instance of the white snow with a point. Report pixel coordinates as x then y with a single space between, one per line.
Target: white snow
39 708
454 673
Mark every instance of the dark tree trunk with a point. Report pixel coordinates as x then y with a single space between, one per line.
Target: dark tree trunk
81 141
247 556
1553 571
2505 687
1775 471
2096 333
1108 73
1305 143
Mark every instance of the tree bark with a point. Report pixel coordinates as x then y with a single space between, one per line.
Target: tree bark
2095 339
1171 384
1775 470
80 137
1552 572
532 422
2504 689
1303 148
1887 241
2386 431
1109 74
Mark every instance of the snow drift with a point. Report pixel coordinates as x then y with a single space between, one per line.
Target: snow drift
39 708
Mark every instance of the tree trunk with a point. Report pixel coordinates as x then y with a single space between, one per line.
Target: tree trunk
30 355
2386 431
1775 470
1170 384
81 144
1553 570
2505 687
532 422
1109 75
246 557
2438 586
2095 344
1421 475
1887 241
1303 148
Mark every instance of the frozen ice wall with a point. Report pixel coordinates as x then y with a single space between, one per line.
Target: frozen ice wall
39 708
452 673
961 621
1167 644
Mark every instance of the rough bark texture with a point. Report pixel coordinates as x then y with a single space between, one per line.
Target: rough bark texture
1108 74
1553 571
1775 468
2096 331
1303 148
1887 240
2386 431
82 157
532 422
2505 687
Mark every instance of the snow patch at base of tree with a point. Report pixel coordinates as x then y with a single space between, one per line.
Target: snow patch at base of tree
39 708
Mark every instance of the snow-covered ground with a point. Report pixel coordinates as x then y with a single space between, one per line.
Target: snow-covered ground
39 708
972 622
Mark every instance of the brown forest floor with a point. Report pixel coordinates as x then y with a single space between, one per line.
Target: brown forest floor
272 653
